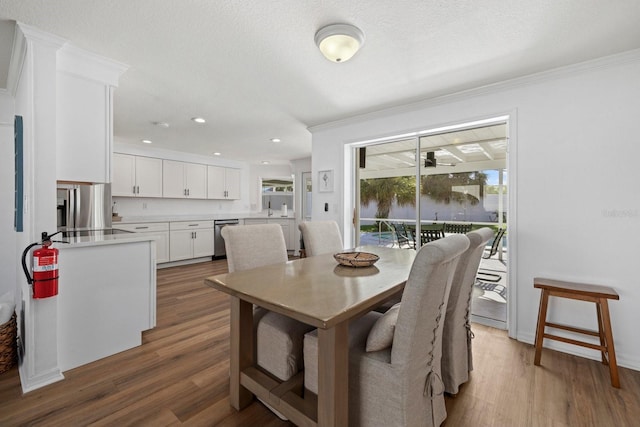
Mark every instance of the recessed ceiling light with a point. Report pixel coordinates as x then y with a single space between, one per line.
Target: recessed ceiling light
265 162
275 140
198 120
161 124
147 141
216 153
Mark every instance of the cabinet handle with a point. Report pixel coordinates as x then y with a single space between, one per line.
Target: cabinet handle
138 189
188 192
193 225
195 234
134 189
141 228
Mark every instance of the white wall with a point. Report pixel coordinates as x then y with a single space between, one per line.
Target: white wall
574 147
35 101
8 250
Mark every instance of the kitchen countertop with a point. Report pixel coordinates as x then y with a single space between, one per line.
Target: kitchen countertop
200 217
112 239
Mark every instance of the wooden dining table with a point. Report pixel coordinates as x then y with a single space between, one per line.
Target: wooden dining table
321 293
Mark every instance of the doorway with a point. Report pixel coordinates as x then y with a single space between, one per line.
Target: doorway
452 180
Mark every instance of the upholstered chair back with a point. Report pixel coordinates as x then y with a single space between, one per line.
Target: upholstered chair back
251 246
457 358
321 237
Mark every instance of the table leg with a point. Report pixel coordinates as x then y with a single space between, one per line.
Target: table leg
333 376
241 356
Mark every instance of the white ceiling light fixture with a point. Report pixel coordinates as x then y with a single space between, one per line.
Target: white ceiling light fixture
339 42
199 120
217 154
275 140
147 141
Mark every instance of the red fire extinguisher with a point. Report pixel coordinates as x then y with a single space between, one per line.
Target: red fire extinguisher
45 268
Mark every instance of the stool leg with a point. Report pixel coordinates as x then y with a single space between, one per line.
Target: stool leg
608 333
603 342
542 318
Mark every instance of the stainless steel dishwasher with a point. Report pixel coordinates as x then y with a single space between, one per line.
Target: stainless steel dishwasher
218 241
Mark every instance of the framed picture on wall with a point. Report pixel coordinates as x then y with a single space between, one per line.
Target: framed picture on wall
325 181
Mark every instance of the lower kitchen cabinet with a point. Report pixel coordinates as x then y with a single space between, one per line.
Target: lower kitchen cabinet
159 230
190 239
287 225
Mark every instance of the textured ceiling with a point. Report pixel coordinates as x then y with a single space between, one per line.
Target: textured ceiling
252 70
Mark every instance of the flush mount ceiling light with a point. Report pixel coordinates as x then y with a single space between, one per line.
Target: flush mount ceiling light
198 120
217 154
275 140
339 42
147 141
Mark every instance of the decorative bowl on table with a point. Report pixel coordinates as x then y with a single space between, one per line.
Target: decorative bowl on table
356 259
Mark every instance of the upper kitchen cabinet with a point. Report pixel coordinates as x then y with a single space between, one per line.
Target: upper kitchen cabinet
84 115
184 180
223 183
136 176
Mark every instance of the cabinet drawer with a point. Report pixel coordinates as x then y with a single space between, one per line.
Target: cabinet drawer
190 225
146 227
249 221
282 222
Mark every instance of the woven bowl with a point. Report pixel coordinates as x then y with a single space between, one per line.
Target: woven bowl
356 259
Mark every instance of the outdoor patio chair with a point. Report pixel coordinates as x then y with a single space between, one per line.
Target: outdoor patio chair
485 274
457 228
403 235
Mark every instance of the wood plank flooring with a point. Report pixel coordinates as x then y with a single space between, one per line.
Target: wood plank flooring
179 376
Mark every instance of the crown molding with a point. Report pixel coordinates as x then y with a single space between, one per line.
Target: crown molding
530 79
74 60
23 35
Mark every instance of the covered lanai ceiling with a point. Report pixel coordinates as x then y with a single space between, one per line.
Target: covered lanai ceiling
252 70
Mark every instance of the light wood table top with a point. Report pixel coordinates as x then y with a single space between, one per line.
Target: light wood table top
317 290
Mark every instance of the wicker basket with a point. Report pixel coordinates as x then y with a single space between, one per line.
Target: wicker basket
8 344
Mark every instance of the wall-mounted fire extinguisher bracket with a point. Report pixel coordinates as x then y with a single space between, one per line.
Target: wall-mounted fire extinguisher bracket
44 283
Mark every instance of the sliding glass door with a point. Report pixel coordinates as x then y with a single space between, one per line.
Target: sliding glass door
415 189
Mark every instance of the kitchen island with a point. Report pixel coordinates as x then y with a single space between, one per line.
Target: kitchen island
107 296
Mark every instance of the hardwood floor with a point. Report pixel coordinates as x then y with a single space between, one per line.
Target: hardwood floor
179 376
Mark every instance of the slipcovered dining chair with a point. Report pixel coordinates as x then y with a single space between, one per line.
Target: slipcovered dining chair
278 339
321 237
457 359
394 359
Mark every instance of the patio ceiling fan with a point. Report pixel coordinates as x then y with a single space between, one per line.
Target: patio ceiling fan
431 162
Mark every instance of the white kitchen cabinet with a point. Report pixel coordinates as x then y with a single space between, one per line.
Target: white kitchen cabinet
136 176
286 230
190 239
83 129
250 221
84 114
184 180
285 223
223 183
159 230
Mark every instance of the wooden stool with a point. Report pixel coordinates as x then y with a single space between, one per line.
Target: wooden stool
592 293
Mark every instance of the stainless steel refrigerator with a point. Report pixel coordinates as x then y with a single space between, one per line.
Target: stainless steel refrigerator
84 206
